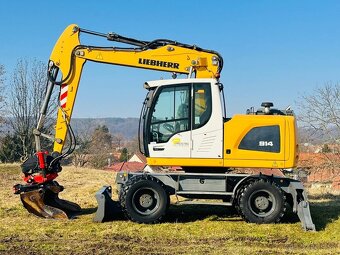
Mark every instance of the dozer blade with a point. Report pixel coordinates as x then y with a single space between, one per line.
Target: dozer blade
108 209
44 202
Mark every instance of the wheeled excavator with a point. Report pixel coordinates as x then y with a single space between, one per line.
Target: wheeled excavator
183 123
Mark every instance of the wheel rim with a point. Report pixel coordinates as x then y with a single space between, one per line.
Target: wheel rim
145 201
262 203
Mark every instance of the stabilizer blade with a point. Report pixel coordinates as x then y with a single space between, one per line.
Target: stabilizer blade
108 209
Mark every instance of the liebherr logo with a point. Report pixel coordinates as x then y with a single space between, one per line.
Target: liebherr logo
152 62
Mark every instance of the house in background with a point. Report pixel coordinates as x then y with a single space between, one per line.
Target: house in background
138 157
136 163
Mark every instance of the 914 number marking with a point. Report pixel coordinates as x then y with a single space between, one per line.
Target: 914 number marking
266 143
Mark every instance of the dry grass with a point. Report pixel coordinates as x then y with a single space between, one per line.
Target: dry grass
186 230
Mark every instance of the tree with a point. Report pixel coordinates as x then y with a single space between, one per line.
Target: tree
117 141
100 147
10 147
326 149
80 156
319 116
2 96
124 156
28 85
133 145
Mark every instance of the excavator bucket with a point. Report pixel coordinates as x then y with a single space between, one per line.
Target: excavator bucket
108 209
44 202
33 201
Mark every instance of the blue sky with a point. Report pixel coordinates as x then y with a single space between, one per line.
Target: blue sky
273 50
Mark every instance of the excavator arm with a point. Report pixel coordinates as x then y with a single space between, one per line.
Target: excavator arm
69 56
40 194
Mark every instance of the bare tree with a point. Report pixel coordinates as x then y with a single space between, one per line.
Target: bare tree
28 84
133 145
118 141
319 118
2 96
100 147
81 155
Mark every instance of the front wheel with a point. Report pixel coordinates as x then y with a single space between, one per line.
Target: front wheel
144 199
262 202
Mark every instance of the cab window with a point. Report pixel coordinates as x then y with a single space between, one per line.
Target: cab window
171 113
202 104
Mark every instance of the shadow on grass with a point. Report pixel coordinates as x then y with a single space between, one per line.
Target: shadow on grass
325 212
177 213
86 211
322 211
190 213
113 212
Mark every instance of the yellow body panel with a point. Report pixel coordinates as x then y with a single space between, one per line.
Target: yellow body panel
234 131
240 125
198 162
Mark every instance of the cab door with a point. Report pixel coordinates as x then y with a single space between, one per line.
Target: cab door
207 122
169 122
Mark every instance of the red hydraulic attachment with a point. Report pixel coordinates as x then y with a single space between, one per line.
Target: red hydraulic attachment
41 158
40 195
41 177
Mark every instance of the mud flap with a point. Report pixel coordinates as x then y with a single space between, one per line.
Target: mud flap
301 205
44 202
108 209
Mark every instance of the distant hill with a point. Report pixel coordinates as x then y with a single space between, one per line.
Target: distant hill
313 136
128 127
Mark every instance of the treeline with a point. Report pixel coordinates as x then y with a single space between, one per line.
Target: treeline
21 95
100 148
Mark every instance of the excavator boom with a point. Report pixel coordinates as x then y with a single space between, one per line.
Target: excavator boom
69 56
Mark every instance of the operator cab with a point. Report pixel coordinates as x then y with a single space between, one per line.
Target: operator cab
178 112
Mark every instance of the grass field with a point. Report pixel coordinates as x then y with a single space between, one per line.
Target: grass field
186 229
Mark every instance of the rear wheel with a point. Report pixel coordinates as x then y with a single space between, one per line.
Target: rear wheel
262 202
144 199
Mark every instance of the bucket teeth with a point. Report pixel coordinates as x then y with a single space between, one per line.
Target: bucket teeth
44 202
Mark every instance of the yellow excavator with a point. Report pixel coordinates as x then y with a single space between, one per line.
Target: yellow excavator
183 123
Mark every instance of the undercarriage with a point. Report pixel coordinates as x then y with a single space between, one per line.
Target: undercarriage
145 197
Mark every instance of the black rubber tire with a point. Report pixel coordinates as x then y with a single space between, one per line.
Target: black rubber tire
262 202
143 199
239 194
